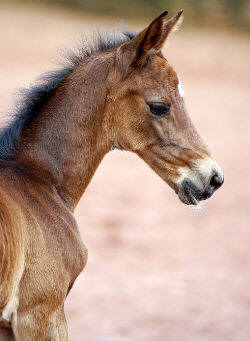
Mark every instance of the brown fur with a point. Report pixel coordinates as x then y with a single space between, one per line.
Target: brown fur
101 105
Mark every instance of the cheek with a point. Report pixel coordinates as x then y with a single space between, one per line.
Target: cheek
160 130
133 124
166 132
140 135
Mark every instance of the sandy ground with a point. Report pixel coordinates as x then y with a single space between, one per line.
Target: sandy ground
157 270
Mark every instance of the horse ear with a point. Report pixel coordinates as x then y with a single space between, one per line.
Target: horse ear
151 39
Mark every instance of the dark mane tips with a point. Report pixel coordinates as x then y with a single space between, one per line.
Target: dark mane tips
33 99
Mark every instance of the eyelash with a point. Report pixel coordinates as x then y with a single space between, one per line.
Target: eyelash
159 109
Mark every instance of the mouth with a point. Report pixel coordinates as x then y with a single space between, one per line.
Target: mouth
200 182
189 194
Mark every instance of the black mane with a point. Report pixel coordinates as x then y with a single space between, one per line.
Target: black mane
33 99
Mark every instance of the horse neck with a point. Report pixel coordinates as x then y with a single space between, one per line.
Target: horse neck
70 136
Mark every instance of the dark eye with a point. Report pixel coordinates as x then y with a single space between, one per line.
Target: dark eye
159 109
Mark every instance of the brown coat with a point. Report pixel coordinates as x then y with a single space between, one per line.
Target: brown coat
122 96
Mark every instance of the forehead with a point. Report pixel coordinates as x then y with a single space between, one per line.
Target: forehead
157 75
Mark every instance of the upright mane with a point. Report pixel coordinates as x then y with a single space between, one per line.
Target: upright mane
33 99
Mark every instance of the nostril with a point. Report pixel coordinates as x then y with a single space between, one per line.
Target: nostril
215 182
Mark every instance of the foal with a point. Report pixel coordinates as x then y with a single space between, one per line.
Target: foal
121 94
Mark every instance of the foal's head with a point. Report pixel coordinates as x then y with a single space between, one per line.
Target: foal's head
149 115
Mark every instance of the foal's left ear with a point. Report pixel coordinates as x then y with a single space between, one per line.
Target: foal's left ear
151 39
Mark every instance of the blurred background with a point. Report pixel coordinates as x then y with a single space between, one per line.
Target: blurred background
157 269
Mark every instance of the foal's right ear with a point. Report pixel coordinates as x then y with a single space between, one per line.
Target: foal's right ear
148 41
